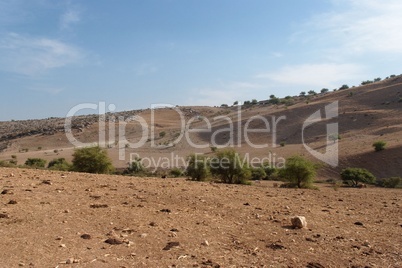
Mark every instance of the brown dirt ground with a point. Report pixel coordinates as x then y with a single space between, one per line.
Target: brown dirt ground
205 224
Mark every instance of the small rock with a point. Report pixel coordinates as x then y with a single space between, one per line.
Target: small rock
171 245
143 235
66 211
70 261
153 224
12 202
62 245
113 241
299 222
174 230
59 238
4 216
86 236
246 204
166 210
48 182
205 243
5 191
359 223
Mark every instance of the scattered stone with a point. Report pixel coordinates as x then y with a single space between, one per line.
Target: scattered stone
166 210
174 230
59 238
359 223
4 216
153 224
86 236
5 191
205 243
143 235
171 245
246 204
113 241
276 246
210 263
98 206
62 245
70 261
66 211
48 182
314 265
12 202
299 222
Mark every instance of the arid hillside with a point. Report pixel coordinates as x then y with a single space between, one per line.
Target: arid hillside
366 114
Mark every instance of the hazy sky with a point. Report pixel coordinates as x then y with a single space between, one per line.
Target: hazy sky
130 53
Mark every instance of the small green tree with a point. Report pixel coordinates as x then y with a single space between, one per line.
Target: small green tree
136 166
229 168
254 101
92 160
311 92
324 90
198 167
355 175
59 164
302 94
35 162
270 171
299 172
379 145
162 134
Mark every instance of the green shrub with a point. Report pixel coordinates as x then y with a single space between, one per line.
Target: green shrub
324 90
214 149
393 182
282 144
344 87
197 167
299 172
270 171
228 167
35 162
352 176
379 145
162 134
135 166
92 160
258 173
59 164
176 172
6 164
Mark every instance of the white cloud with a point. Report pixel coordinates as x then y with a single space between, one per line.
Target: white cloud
33 55
70 17
315 75
357 27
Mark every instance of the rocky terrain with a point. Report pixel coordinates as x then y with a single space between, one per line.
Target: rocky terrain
55 219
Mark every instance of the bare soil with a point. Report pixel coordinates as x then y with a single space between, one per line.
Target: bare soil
55 219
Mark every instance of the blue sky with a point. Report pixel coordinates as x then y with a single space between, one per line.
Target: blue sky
57 54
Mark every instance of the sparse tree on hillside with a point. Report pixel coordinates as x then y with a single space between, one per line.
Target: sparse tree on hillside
229 168
344 87
379 145
302 94
35 162
356 175
324 90
92 160
198 167
299 172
